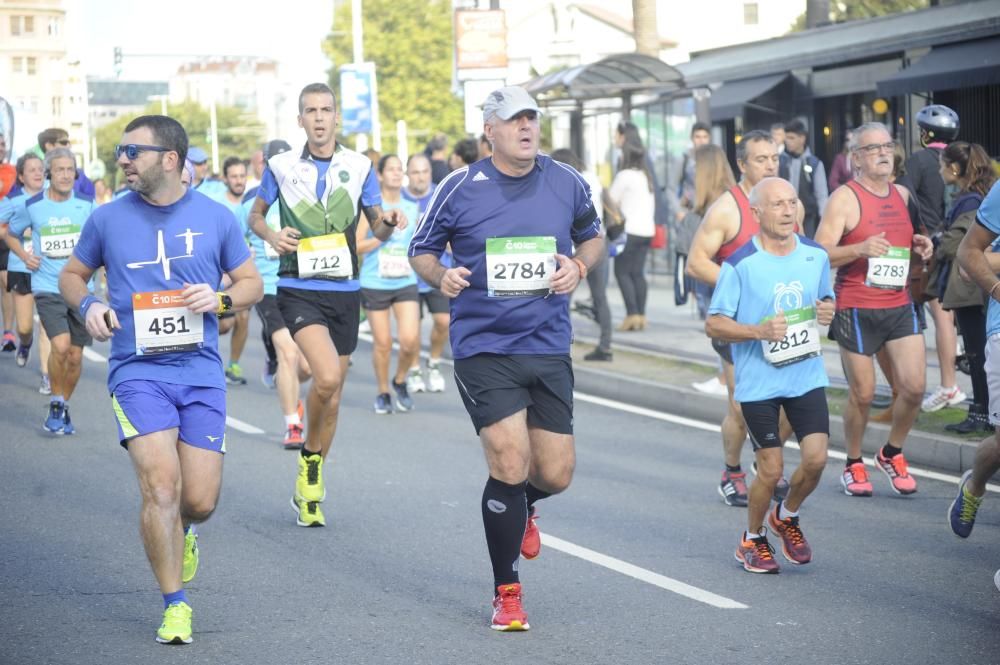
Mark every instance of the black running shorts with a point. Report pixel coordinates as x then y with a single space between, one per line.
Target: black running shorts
808 414
270 315
865 331
339 311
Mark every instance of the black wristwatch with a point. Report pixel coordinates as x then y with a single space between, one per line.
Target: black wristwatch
225 303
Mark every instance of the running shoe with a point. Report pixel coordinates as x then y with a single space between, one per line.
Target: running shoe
531 544
176 626
943 397
67 423
962 513
780 490
793 543
898 473
508 615
855 480
308 513
415 381
293 437
309 484
711 386
45 388
996 580
404 402
267 378
190 555
23 353
234 375
9 341
435 381
733 488
756 555
54 422
383 404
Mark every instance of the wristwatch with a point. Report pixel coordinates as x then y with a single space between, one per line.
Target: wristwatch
225 303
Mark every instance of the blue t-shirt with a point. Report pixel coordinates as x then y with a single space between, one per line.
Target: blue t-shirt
147 248
12 210
989 216
211 188
45 216
422 203
754 285
397 244
267 266
477 203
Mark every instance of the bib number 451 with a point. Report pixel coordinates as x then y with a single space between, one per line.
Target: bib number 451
169 325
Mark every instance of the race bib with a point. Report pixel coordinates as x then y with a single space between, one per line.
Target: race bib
520 266
164 325
393 262
800 342
889 271
58 241
270 252
325 256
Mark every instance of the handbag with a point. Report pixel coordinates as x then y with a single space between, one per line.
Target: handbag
614 224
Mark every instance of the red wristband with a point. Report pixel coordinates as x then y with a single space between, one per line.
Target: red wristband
583 267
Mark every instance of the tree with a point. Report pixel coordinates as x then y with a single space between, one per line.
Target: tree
850 10
240 132
410 42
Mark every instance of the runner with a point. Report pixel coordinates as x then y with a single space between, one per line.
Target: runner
769 298
512 222
290 366
165 248
321 192
56 218
389 284
727 226
234 177
867 231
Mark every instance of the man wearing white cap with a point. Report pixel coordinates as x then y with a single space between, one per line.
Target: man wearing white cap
512 221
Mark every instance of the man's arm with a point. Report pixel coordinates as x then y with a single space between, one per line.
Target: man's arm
450 281
709 237
384 223
362 243
842 207
972 259
719 326
101 321
247 288
16 246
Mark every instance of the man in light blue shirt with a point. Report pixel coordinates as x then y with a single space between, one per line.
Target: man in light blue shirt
234 177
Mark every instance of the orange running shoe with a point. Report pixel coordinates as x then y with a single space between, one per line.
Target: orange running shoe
293 437
531 544
793 543
757 555
898 472
855 480
507 612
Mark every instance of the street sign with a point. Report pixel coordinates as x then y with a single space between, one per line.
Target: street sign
358 98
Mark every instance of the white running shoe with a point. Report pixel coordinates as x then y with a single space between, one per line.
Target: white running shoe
711 387
435 382
415 381
943 397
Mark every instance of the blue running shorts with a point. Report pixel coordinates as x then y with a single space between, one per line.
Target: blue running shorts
199 413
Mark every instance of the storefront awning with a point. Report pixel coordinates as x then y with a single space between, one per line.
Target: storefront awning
947 68
728 101
613 76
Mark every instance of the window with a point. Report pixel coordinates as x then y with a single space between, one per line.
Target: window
29 25
17 64
15 26
32 66
22 25
749 13
53 26
57 106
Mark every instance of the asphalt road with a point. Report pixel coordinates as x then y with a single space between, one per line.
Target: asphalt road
401 574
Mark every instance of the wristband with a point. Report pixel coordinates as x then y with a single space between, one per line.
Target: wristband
583 267
994 287
388 223
90 300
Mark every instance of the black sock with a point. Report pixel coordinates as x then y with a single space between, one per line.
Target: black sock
854 460
734 469
505 513
308 453
534 494
889 450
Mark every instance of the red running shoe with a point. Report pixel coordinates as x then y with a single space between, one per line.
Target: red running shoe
898 473
293 437
531 544
793 543
757 555
855 480
507 612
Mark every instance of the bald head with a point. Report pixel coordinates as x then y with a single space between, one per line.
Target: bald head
418 174
775 205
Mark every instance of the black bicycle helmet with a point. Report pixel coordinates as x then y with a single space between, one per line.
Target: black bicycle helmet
939 121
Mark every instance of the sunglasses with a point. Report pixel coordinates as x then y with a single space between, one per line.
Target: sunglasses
132 150
63 142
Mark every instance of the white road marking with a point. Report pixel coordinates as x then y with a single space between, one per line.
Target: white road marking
246 428
641 574
93 356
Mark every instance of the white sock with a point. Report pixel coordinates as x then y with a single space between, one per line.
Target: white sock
784 513
292 419
752 536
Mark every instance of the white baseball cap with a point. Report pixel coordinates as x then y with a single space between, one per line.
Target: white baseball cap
507 102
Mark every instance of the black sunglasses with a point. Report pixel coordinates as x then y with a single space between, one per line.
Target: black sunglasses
132 150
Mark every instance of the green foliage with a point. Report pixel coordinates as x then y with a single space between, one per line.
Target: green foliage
240 133
850 10
410 42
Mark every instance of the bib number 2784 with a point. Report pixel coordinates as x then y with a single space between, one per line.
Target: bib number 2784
519 266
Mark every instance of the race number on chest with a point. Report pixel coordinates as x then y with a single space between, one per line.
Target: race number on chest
164 325
520 266
393 262
801 341
325 256
59 240
889 271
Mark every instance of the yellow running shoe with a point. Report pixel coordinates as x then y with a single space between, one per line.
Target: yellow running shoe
190 555
309 484
176 626
308 513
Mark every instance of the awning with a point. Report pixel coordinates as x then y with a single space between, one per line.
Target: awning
947 68
613 76
728 101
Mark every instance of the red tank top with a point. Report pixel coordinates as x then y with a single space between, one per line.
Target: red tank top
878 213
748 226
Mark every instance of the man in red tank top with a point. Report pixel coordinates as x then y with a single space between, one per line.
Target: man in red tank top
867 231
728 225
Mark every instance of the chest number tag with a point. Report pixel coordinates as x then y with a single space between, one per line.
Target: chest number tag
800 342
58 241
889 271
519 266
393 262
325 256
164 325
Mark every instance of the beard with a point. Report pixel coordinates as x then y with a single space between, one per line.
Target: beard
149 180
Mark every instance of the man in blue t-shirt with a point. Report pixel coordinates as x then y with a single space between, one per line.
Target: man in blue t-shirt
320 192
982 263
771 296
512 222
165 249
56 217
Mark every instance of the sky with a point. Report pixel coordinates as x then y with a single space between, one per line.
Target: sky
158 37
